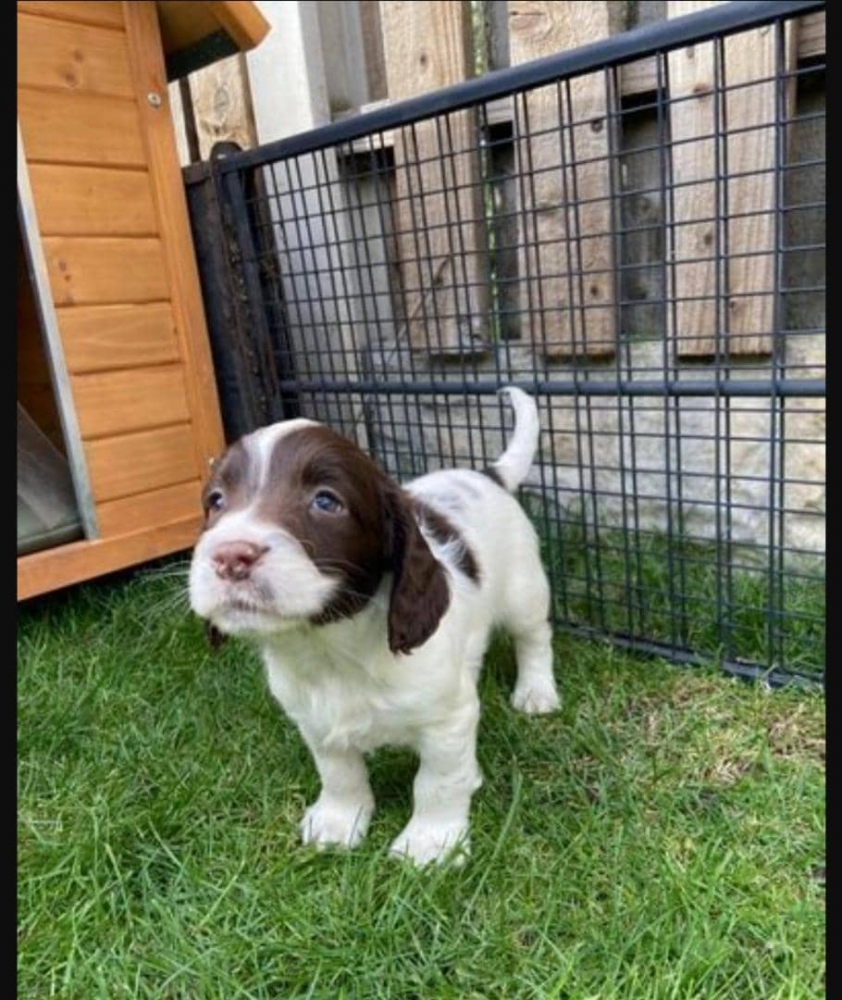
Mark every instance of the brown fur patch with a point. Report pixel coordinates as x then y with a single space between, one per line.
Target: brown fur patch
443 531
373 533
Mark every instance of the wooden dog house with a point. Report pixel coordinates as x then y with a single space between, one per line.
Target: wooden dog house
117 409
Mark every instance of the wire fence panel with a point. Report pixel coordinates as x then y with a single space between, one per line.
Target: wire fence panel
652 269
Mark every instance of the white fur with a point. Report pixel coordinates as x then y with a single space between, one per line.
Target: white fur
348 694
299 589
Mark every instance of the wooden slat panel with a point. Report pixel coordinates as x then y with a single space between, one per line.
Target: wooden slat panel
439 210
80 128
222 105
811 35
168 191
98 338
564 317
85 270
90 201
72 57
104 12
136 463
44 571
110 403
750 280
147 510
639 77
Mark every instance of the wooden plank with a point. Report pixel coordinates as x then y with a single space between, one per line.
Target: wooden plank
103 12
80 128
134 463
496 18
42 572
811 35
118 402
99 338
76 57
177 112
92 201
439 209
639 77
375 62
86 270
748 274
636 78
565 209
222 106
148 510
805 269
168 192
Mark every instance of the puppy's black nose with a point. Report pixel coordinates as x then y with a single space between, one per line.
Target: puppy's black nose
235 560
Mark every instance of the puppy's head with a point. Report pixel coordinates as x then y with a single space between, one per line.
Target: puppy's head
300 527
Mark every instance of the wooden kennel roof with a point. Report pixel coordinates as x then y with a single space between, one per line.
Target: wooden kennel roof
196 33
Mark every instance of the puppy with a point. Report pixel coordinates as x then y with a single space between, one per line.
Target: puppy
372 606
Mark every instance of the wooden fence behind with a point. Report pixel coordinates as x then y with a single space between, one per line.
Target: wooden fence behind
328 60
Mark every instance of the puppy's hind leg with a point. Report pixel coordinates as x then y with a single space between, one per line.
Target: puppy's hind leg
527 620
535 692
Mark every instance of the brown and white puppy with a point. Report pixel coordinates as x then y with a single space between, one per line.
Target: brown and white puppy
372 605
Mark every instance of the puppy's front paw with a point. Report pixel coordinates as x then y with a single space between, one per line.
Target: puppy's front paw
423 842
329 823
536 697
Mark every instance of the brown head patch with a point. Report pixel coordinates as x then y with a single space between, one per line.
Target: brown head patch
352 521
347 543
233 480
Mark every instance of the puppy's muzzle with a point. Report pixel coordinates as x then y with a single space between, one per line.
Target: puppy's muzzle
235 560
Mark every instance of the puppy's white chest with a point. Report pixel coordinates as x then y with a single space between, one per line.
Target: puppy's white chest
339 706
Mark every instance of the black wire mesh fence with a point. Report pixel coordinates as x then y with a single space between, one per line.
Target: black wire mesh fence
652 270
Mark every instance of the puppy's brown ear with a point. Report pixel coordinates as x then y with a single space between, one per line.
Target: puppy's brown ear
214 636
420 593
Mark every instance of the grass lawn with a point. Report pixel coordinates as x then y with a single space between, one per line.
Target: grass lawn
662 837
711 599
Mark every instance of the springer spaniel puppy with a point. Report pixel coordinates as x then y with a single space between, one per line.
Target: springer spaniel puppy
372 606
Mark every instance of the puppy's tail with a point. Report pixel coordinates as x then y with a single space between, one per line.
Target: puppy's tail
511 467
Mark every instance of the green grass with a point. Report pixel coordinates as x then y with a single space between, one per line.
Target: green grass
663 837
597 578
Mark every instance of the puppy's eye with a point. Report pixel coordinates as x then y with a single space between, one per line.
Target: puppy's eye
215 501
327 502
